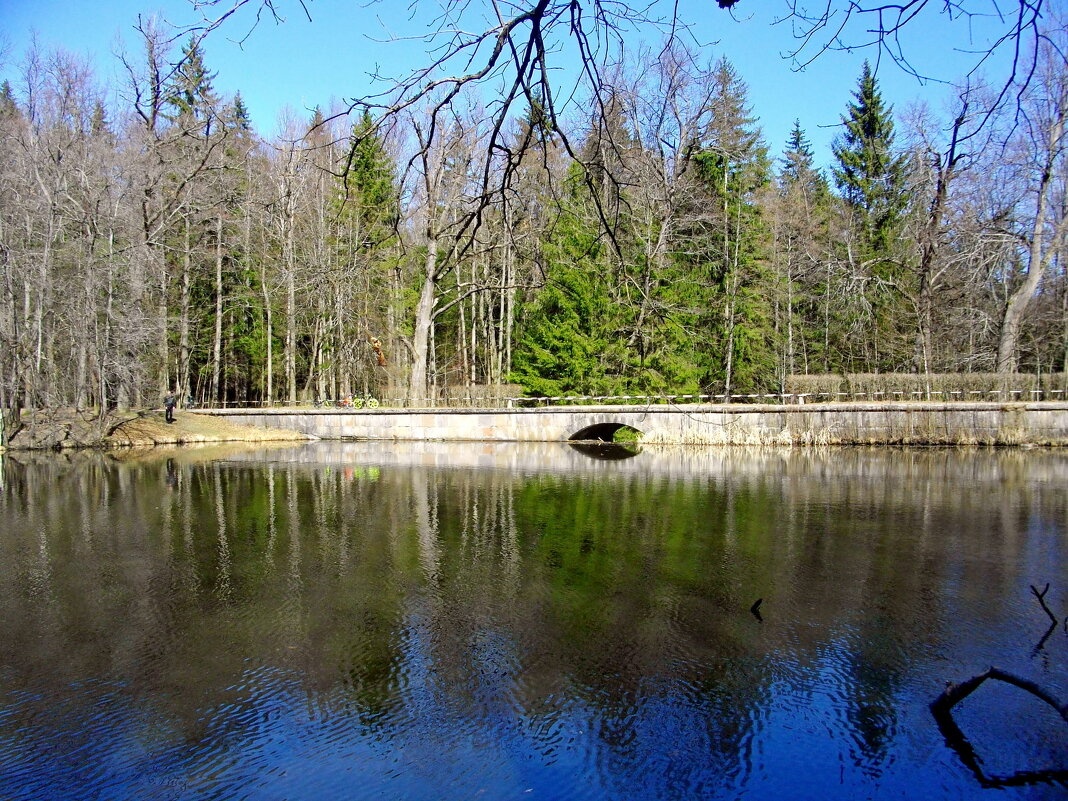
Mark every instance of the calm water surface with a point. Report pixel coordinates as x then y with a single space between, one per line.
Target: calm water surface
370 621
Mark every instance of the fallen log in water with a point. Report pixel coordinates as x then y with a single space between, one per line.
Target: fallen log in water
942 709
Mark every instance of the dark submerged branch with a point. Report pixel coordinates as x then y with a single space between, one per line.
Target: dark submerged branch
942 710
1041 596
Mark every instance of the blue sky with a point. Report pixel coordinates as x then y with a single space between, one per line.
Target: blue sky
302 64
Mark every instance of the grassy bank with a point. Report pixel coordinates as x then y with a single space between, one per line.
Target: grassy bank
67 428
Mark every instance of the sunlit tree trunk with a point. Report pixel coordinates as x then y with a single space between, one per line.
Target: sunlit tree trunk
216 363
1039 252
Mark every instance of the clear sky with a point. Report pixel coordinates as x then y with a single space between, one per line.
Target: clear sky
302 64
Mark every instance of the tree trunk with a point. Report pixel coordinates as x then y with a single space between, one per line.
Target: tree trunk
424 319
1037 257
291 319
163 386
268 395
184 389
216 365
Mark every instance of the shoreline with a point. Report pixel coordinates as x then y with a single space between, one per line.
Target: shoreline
68 430
1021 425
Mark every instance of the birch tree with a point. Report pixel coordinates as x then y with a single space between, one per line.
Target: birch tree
1038 152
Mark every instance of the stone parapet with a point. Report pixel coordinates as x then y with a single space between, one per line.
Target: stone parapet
907 423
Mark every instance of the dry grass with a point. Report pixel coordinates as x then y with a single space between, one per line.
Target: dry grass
153 429
61 429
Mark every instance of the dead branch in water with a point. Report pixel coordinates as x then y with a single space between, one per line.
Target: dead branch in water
942 708
1041 596
755 609
955 693
1042 600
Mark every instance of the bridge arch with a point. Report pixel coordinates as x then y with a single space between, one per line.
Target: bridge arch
600 432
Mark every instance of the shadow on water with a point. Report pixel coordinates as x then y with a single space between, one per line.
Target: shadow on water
966 752
958 742
608 451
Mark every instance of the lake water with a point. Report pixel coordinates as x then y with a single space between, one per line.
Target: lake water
506 621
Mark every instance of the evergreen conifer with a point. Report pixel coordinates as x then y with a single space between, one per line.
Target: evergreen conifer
870 175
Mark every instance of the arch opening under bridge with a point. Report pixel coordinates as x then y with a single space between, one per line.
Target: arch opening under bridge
604 432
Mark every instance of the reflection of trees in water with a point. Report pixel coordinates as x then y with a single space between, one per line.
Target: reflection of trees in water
627 594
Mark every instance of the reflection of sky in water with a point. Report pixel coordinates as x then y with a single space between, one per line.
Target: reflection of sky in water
400 631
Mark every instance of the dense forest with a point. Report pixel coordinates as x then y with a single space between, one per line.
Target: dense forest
151 240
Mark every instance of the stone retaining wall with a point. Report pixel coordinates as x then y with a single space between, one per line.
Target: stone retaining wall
917 423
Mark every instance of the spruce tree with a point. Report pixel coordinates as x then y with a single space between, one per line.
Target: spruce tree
869 175
798 167
369 188
733 162
871 179
238 117
8 106
568 337
802 213
364 209
564 330
190 94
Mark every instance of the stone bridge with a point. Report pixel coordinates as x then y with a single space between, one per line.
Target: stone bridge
1039 423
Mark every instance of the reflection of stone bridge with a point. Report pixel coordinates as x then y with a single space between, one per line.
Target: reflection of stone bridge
868 423
877 471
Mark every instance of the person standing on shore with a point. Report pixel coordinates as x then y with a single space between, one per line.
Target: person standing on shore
169 403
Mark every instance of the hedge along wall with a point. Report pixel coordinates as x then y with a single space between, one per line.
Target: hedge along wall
933 386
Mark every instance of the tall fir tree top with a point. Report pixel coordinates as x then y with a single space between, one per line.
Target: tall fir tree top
864 150
798 153
368 187
8 106
798 165
869 174
238 116
190 93
734 130
98 123
733 154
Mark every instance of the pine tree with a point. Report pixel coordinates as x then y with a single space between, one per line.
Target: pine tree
364 211
8 107
869 175
603 149
734 164
798 170
569 333
369 187
801 213
237 116
98 123
190 95
871 179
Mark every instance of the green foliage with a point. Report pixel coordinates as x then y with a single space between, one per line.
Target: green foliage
8 107
237 116
735 169
632 318
368 198
604 325
798 169
564 342
870 175
190 94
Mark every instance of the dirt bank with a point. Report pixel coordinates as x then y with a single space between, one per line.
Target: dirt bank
67 428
